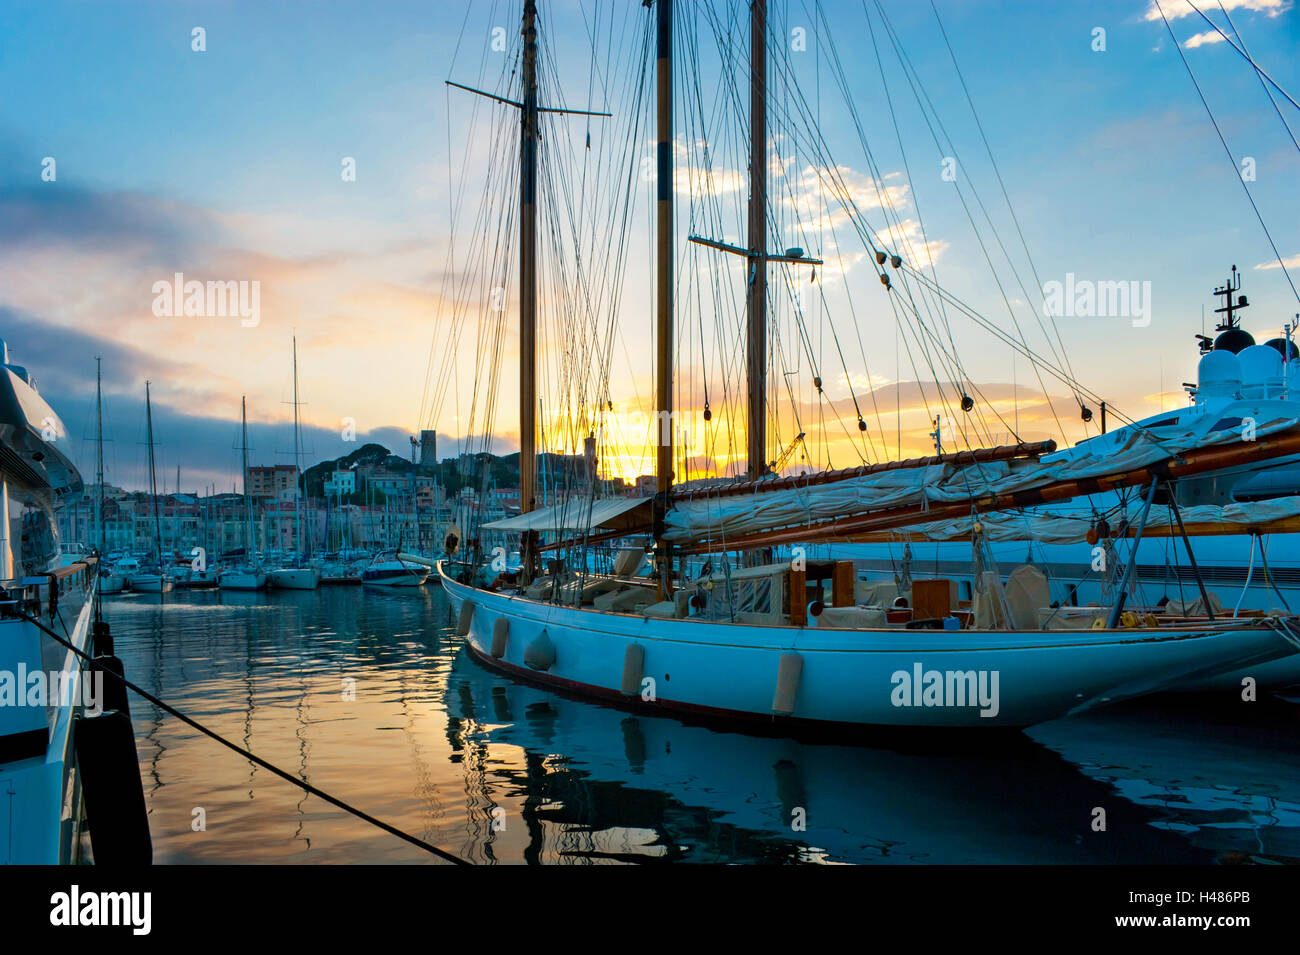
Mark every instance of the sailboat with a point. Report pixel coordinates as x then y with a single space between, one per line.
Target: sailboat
250 575
721 629
152 579
110 580
296 574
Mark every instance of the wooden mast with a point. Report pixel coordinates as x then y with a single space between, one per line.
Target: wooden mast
664 290
755 252
756 300
529 138
528 286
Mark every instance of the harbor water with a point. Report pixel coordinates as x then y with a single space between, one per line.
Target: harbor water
369 696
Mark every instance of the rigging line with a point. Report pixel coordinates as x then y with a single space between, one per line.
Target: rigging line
460 296
1231 158
888 207
898 135
914 82
939 383
1016 344
909 71
857 326
929 361
923 326
848 379
798 313
1242 51
1258 72
449 355
1001 184
247 754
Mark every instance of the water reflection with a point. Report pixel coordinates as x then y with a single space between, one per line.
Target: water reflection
496 771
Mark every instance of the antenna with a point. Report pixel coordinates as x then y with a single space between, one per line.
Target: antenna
1230 308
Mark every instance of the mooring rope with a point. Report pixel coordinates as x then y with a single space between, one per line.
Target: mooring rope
247 754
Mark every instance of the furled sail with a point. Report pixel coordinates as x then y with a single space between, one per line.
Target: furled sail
1245 431
1279 515
577 517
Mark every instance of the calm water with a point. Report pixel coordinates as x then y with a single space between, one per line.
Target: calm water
495 771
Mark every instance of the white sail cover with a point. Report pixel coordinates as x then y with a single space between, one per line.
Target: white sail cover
1120 451
1054 527
571 516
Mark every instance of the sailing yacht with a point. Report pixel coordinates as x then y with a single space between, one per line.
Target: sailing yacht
153 578
720 629
110 579
249 575
297 573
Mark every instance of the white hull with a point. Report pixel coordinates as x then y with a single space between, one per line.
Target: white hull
150 584
400 572
845 676
111 584
242 580
295 578
406 580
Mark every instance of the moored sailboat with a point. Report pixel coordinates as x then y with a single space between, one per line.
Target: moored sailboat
152 579
110 580
758 641
249 575
298 573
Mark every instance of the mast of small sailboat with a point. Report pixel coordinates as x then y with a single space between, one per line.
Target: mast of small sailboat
99 456
664 289
248 502
153 477
297 456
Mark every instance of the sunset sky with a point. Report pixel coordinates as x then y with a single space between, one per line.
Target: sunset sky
225 165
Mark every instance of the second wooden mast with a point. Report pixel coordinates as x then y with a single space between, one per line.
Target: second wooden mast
528 286
664 290
756 299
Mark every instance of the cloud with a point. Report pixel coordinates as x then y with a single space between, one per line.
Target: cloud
1291 262
1177 9
79 266
77 269
1208 38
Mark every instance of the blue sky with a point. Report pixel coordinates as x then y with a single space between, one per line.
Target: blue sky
225 164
